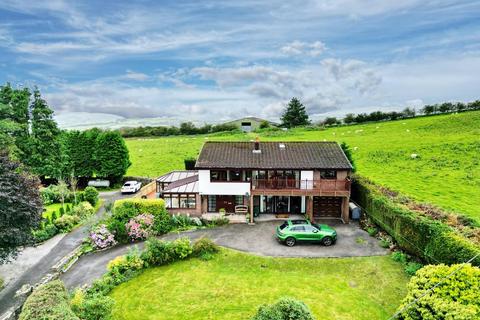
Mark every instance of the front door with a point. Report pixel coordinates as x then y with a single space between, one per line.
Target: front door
227 203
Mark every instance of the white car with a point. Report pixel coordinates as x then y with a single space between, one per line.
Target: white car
131 186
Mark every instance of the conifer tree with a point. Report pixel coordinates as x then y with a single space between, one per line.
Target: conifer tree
295 114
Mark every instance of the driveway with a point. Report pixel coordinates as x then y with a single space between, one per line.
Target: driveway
34 263
257 239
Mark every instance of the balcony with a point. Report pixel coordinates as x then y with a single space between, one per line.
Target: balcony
286 186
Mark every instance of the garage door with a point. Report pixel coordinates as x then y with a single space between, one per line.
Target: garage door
330 207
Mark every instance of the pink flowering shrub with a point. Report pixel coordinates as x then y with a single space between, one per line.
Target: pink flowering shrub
101 237
139 227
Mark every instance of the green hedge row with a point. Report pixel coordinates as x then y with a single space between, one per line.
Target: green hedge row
431 240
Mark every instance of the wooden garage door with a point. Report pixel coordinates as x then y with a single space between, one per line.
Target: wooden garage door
327 207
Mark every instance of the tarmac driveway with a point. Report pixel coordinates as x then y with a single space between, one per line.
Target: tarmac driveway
257 239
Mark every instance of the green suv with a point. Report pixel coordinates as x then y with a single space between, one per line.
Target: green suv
292 231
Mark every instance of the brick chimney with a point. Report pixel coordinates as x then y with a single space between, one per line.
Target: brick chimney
256 148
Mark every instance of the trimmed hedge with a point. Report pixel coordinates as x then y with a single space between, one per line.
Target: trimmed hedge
49 301
431 240
456 297
152 206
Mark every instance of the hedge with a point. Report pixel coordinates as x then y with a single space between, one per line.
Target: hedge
456 297
152 206
49 301
422 236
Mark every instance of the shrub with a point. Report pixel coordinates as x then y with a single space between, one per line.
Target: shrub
62 211
204 248
109 206
69 208
159 252
66 223
412 267
83 210
457 296
53 216
91 307
399 257
127 263
124 210
372 231
284 309
90 194
47 232
101 237
182 221
384 243
139 227
48 301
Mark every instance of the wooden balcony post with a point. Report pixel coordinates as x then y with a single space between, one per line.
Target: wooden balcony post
251 208
309 208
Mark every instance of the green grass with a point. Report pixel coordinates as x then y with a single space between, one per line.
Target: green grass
232 286
447 172
55 207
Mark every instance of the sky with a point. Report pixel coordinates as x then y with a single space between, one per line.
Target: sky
131 63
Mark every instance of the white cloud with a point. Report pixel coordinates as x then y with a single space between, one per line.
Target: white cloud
296 47
136 76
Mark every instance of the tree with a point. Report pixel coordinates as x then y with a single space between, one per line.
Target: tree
428 109
295 114
42 152
457 295
63 191
79 149
408 112
111 156
349 118
330 121
20 207
14 116
264 124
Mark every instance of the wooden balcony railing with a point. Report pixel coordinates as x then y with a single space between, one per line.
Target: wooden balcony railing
324 185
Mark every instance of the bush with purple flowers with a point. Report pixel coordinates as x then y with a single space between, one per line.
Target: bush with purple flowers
139 227
101 237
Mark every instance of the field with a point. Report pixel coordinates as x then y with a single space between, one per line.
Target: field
445 173
232 285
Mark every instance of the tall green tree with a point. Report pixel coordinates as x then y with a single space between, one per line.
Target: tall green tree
79 149
20 206
42 152
295 114
111 156
14 117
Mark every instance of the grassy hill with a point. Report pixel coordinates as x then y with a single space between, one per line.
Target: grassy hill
445 173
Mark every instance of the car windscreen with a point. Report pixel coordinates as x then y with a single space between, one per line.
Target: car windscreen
126 184
284 225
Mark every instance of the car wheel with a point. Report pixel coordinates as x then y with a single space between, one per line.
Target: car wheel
290 242
327 241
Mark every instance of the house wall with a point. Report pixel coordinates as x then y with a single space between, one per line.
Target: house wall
196 212
206 187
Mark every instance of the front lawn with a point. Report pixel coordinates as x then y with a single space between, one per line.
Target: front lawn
54 207
232 285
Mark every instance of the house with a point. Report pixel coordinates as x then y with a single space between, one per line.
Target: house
249 124
273 179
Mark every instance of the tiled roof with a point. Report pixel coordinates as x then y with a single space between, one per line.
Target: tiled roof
185 185
176 175
293 155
